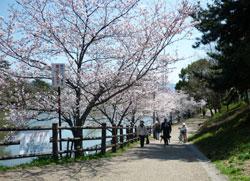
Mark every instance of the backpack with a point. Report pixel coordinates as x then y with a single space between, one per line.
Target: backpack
183 130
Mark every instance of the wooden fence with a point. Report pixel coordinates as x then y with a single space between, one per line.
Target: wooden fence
118 139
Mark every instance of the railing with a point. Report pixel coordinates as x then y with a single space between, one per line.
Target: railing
117 140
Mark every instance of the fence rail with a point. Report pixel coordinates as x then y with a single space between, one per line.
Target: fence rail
24 129
130 136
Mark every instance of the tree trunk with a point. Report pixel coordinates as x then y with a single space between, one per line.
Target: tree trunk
77 133
247 98
211 111
114 138
154 117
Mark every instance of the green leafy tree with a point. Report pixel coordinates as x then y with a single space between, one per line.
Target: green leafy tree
195 81
225 23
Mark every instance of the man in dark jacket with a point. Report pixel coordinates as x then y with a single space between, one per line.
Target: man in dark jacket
166 130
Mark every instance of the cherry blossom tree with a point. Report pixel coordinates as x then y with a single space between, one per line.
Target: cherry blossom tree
113 111
126 108
167 101
162 101
108 46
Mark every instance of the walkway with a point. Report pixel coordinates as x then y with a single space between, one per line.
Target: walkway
175 162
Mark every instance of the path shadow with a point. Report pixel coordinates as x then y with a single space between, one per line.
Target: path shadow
182 152
92 168
102 167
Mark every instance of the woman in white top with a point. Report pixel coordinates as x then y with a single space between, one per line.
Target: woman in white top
142 132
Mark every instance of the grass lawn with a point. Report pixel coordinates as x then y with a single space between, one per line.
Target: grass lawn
225 140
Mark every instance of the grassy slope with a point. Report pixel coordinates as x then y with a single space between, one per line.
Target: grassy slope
225 139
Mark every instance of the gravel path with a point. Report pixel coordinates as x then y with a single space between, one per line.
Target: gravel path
154 162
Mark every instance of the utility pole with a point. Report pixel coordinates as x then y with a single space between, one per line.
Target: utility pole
58 81
59 117
154 117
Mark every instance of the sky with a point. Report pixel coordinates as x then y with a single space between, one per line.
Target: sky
183 48
187 54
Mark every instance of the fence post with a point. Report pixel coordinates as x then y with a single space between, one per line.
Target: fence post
127 134
103 149
136 139
55 140
114 138
132 134
121 136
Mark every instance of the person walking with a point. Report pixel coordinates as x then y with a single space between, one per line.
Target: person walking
183 133
171 118
157 129
166 130
156 125
142 132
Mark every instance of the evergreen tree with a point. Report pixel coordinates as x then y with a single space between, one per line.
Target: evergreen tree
226 23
